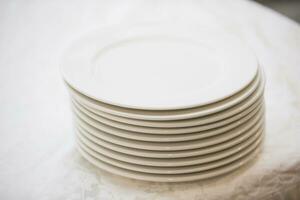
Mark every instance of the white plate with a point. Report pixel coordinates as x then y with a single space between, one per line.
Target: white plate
171 162
173 114
122 128
159 66
218 128
171 124
110 119
237 152
173 177
255 122
162 154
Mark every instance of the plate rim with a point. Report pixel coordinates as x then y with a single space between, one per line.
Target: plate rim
243 149
186 135
189 177
242 48
98 121
161 154
170 115
255 121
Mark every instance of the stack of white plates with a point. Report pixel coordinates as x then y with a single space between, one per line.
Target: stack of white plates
165 103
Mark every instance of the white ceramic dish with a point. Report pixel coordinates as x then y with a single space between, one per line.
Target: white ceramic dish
171 162
121 129
163 154
143 67
167 124
97 108
217 129
240 111
172 177
253 123
240 151
107 118
173 114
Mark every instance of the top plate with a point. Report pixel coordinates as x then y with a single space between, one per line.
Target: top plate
159 66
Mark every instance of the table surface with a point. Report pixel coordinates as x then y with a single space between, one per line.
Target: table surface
38 159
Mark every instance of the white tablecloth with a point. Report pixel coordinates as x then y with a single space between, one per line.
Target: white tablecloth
38 159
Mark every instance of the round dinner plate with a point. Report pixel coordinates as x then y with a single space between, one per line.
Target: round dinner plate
125 129
255 122
165 102
120 121
170 177
232 115
162 154
237 152
173 114
218 116
169 162
145 66
204 132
